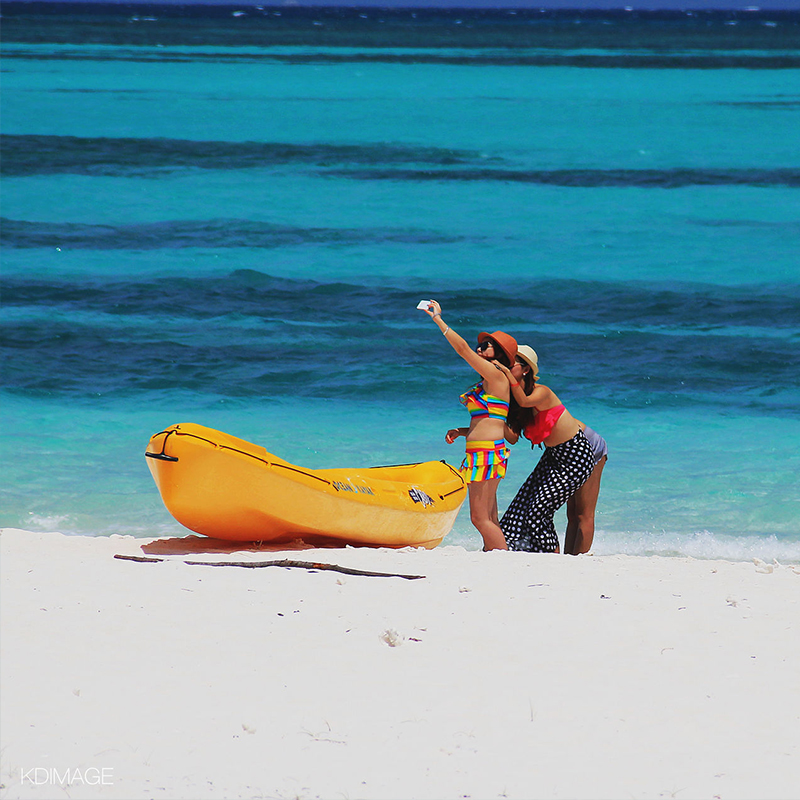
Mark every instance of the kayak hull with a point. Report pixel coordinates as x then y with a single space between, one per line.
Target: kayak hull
227 488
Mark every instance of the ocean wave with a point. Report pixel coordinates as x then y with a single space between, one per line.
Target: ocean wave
675 178
654 32
616 307
211 233
769 550
234 336
34 154
679 60
27 155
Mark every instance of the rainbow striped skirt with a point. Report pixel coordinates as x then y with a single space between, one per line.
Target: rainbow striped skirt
485 461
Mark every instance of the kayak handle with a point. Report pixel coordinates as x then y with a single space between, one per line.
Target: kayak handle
162 456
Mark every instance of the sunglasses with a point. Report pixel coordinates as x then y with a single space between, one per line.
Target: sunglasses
484 345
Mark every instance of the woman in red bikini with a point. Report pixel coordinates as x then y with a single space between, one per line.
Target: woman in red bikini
488 404
569 461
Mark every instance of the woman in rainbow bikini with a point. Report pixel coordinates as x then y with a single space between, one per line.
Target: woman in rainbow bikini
569 470
488 404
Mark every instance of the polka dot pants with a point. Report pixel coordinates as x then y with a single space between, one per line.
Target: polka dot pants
561 471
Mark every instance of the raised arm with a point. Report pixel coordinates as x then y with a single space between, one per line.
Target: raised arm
486 369
538 397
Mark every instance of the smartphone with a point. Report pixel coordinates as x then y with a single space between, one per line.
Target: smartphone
423 304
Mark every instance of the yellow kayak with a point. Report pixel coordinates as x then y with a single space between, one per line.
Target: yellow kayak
227 488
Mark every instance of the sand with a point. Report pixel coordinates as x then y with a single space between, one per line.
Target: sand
498 675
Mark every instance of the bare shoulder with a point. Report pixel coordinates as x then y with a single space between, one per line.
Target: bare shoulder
544 397
496 382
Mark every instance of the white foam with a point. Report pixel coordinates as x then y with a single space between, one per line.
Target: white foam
702 544
47 522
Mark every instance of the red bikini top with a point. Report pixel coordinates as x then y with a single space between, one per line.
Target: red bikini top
543 424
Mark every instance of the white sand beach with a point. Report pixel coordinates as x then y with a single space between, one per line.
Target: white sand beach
498 675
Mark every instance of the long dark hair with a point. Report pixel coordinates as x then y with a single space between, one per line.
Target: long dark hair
499 354
519 416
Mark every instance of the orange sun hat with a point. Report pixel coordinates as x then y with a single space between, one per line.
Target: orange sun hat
508 344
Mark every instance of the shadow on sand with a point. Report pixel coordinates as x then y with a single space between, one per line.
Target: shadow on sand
190 545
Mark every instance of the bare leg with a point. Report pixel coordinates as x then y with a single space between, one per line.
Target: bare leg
581 508
483 513
572 525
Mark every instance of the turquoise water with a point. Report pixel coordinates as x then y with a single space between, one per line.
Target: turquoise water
210 220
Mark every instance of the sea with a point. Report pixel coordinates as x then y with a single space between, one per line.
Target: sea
227 216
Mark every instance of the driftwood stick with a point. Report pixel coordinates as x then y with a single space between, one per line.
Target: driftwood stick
311 565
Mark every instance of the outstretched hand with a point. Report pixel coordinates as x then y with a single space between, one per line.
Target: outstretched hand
433 309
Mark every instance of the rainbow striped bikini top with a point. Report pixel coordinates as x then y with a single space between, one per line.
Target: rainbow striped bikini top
481 404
